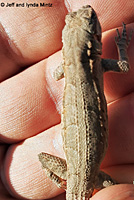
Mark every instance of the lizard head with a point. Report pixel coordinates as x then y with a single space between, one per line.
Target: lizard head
86 19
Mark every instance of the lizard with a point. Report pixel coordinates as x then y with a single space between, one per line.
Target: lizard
84 120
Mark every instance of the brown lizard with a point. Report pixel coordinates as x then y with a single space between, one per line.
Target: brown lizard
84 118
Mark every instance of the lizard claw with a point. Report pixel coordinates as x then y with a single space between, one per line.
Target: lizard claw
124 32
118 34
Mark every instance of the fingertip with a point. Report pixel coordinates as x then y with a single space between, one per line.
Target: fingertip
23 175
118 192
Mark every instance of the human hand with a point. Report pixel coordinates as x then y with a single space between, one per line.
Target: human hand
30 101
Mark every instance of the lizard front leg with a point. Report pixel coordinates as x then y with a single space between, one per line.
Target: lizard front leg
59 72
55 168
61 183
121 65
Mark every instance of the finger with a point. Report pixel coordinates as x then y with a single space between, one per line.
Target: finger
3 192
113 12
4 195
11 58
23 175
24 155
30 101
120 192
120 115
3 149
33 35
60 197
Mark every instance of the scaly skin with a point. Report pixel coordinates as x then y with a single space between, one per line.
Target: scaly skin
84 118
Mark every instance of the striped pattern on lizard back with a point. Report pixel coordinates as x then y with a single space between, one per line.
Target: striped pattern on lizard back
84 113
84 118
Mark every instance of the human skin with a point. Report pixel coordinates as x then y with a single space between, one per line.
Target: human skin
30 101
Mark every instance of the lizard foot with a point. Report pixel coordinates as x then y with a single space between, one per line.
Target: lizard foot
122 40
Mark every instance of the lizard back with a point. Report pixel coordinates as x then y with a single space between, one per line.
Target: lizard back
84 114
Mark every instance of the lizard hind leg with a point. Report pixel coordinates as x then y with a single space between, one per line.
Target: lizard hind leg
104 180
55 168
61 183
